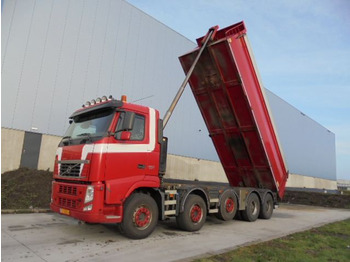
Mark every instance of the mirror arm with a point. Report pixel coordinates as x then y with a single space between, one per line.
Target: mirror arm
110 133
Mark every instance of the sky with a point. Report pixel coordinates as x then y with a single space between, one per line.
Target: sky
302 49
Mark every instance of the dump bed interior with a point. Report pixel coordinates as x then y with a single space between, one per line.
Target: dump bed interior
227 89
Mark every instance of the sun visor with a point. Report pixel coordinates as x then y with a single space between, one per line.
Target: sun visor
86 110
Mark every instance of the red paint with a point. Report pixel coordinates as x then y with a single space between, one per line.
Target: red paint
114 175
230 205
142 217
230 97
196 213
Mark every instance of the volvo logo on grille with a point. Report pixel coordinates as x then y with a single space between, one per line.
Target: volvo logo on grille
69 169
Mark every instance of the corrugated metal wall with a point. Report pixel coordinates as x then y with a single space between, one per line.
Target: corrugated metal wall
58 54
308 147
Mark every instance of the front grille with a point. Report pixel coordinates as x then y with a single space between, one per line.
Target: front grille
70 169
65 202
68 190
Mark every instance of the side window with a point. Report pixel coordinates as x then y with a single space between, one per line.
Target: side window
138 131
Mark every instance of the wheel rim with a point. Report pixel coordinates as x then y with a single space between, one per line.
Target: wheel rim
196 213
230 205
254 208
268 206
142 217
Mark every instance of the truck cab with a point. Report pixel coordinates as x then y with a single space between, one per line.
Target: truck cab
111 133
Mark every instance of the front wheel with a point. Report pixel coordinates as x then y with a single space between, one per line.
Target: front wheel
194 215
140 216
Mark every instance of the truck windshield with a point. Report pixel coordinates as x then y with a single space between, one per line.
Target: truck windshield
93 124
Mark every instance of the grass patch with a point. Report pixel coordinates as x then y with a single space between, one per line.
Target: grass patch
327 243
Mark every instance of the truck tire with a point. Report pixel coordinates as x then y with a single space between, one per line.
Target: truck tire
194 215
140 216
266 207
228 206
252 208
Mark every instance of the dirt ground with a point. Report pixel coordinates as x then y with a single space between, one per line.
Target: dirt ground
317 199
28 188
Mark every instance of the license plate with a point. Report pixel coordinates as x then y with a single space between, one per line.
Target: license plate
64 211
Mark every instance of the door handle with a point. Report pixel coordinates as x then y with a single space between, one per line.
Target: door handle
141 166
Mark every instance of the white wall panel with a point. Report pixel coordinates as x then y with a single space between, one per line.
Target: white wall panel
308 147
64 67
6 27
14 57
49 85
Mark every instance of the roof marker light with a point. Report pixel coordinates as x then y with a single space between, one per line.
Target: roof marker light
104 98
110 97
87 103
93 101
124 99
98 100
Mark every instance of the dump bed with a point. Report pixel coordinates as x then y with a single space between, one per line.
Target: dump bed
226 86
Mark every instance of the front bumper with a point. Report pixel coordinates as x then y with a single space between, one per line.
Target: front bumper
68 199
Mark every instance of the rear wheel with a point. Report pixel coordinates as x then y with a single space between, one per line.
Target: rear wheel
267 207
194 215
140 216
252 208
228 206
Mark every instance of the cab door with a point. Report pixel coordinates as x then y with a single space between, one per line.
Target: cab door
127 154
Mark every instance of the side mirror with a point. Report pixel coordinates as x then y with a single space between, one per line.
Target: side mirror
128 122
125 135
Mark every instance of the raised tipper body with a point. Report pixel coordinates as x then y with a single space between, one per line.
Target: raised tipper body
229 93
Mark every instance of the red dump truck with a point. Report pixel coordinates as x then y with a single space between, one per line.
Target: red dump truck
110 164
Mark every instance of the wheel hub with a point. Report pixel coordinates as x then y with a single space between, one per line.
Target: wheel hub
230 205
142 217
196 213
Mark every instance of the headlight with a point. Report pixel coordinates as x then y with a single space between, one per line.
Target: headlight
89 196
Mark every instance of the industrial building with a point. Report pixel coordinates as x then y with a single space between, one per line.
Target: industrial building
58 54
